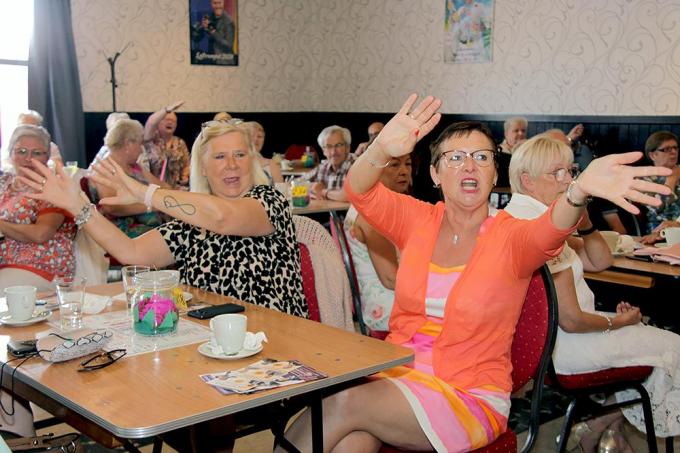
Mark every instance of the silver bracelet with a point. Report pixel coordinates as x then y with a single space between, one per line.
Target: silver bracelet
609 323
376 165
85 215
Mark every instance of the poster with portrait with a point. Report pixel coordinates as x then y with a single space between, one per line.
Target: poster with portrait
468 27
214 32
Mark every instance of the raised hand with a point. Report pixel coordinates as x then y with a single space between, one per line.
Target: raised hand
403 131
612 178
575 132
112 175
175 106
56 188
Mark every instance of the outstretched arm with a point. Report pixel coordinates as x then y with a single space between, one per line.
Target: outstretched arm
60 190
397 138
238 217
612 178
152 122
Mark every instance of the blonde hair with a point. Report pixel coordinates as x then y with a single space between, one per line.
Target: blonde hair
252 126
123 131
222 116
114 117
198 182
534 156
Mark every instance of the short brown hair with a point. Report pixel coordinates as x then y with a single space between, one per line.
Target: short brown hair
657 138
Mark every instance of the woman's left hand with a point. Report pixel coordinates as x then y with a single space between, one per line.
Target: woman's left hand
56 188
128 191
612 178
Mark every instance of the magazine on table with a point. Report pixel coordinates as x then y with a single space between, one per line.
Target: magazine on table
262 375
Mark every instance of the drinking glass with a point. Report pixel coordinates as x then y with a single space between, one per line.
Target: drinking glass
129 273
71 168
71 294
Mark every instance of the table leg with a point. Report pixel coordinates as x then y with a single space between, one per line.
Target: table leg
317 423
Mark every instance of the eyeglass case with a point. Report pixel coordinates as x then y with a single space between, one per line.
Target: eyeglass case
58 347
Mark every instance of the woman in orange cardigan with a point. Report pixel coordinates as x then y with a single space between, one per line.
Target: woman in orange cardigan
462 279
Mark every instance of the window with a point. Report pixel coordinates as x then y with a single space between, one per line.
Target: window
16 28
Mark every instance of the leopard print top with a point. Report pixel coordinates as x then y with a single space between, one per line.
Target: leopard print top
263 270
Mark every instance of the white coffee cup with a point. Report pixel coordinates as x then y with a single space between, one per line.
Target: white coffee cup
20 302
671 234
611 238
229 331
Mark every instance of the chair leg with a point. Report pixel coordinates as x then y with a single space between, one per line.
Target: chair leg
157 445
566 426
669 444
649 420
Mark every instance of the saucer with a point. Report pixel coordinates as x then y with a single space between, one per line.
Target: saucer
39 316
206 351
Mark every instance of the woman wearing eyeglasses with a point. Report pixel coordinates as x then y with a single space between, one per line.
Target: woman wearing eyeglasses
38 237
232 234
539 174
462 279
662 149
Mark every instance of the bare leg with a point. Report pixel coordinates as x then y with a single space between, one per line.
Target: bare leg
377 407
358 441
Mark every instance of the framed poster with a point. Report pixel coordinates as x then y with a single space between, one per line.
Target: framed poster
214 32
468 26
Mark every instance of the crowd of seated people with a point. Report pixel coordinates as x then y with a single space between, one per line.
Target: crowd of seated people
421 267
540 172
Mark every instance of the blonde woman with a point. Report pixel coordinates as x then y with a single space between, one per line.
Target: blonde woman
232 234
270 166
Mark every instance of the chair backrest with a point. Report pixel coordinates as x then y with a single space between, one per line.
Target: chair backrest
338 233
297 151
533 343
330 280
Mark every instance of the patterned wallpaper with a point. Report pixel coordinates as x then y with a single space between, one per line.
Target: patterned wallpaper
605 57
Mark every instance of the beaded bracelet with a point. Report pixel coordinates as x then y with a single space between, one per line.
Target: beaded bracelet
85 214
376 165
609 324
148 195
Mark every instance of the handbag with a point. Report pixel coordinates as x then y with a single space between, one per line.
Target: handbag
67 443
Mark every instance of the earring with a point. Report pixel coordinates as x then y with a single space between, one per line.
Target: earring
436 185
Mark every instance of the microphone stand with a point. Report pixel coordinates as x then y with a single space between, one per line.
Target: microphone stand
112 64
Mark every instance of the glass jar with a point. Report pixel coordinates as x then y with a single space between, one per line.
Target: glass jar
154 303
299 189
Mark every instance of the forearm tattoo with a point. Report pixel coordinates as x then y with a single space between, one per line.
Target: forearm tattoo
171 202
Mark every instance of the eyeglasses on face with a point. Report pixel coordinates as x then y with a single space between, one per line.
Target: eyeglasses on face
336 146
668 149
102 360
34 153
455 158
561 173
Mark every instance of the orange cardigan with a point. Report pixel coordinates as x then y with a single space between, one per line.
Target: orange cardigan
484 305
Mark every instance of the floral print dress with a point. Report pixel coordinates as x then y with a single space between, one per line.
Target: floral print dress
49 259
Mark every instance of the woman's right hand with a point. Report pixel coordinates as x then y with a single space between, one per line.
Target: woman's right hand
112 175
402 132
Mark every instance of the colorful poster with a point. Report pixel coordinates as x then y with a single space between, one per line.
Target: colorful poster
214 32
468 26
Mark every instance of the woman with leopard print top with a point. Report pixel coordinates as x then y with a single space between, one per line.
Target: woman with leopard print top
232 234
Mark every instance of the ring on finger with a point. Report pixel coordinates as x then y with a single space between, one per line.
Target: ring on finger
43 182
412 116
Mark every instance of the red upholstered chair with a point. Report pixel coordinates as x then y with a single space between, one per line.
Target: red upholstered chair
296 151
581 386
531 353
308 283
